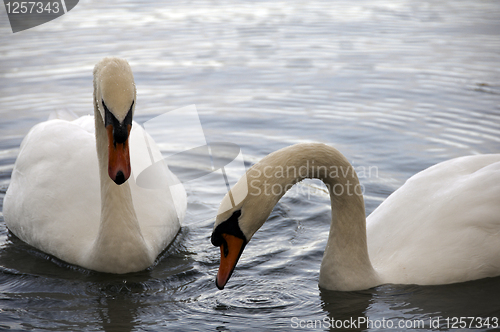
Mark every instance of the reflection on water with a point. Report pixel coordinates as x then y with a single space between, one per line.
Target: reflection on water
398 86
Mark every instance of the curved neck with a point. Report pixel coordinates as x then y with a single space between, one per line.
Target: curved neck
345 264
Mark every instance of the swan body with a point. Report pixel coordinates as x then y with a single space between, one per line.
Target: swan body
63 200
442 226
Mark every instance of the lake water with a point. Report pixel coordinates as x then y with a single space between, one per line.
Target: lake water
395 85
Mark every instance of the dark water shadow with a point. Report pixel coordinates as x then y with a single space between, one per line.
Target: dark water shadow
44 286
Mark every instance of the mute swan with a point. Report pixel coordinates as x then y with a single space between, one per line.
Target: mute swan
71 202
442 226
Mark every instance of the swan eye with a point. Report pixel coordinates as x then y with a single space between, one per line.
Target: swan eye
229 226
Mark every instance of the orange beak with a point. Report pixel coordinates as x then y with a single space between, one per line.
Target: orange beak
118 157
230 252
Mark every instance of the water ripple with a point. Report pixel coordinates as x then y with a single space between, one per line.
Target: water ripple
395 85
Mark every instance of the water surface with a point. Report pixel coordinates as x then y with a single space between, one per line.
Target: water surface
398 86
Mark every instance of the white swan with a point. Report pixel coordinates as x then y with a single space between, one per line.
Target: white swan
69 201
442 226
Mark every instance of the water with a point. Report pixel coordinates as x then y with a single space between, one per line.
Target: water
395 85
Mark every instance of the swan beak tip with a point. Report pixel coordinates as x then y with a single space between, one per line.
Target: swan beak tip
230 252
217 284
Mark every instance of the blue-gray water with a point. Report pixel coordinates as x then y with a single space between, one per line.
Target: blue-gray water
398 85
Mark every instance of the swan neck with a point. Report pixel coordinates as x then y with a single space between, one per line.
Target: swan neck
119 230
346 263
278 172
116 200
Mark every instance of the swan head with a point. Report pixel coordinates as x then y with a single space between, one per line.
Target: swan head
236 224
228 236
114 97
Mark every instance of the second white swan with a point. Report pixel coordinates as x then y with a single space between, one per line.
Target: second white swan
442 226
